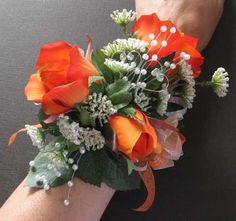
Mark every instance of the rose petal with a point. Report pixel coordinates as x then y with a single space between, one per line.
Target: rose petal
59 50
63 98
35 90
127 131
80 66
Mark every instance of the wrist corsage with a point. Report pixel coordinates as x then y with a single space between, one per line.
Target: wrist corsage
111 115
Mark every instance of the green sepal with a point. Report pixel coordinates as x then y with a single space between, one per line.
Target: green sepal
119 94
98 59
40 168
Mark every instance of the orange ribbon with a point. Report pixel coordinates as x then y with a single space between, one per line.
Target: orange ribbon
149 181
12 138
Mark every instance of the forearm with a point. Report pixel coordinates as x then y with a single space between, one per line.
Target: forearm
87 203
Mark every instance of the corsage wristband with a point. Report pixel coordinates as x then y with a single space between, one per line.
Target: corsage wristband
111 115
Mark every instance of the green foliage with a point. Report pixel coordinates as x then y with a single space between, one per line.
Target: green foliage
98 59
129 112
106 166
130 166
92 166
96 84
85 116
119 94
40 168
117 174
50 128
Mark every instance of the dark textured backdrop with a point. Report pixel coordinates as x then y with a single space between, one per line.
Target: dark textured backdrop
202 185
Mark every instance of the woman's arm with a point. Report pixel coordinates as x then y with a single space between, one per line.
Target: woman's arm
87 203
198 18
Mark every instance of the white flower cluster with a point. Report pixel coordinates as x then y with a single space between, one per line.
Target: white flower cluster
119 66
220 82
122 45
92 139
164 97
124 17
100 107
35 136
189 93
142 101
186 72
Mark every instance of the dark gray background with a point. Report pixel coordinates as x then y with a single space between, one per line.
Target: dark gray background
202 185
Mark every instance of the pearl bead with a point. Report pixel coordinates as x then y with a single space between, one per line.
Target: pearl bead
145 57
163 28
151 36
154 43
167 64
75 167
182 54
66 202
82 151
164 43
172 30
154 57
133 64
137 71
172 66
31 163
57 145
70 160
143 72
187 57
70 183
46 187
58 174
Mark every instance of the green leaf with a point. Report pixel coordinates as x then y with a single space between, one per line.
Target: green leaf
41 168
85 117
129 112
130 166
51 146
96 84
98 59
72 147
116 175
92 166
42 116
119 94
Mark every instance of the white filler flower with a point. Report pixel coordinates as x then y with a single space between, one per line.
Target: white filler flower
36 136
89 137
124 17
220 82
164 97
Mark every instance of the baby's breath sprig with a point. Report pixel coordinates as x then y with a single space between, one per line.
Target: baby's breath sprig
123 18
219 82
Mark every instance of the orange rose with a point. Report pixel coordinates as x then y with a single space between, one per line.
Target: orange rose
61 78
135 140
175 40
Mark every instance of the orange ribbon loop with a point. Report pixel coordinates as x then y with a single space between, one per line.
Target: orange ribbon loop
149 181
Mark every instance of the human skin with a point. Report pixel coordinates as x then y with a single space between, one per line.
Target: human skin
87 203
197 18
